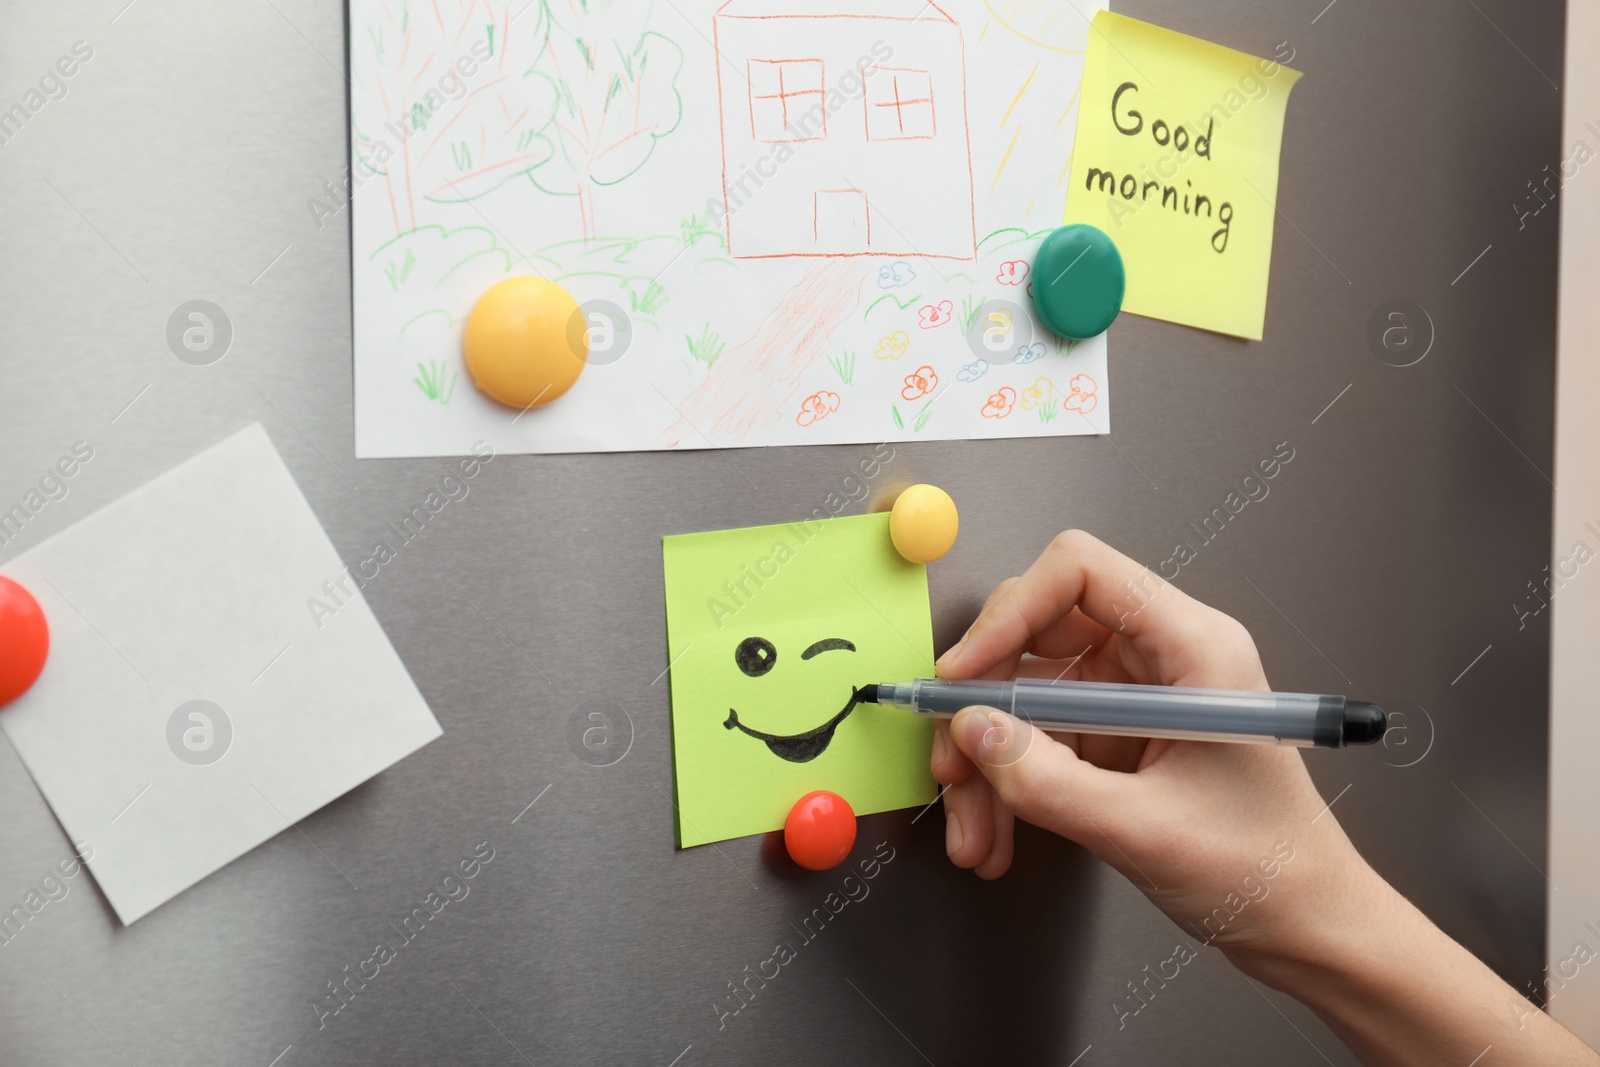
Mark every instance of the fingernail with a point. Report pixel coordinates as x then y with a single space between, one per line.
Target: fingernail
953 836
940 747
975 735
951 654
984 733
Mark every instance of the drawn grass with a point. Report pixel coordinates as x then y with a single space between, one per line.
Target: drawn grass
845 366
707 347
397 273
1065 345
991 243
650 301
431 381
895 300
969 310
918 421
1047 412
694 228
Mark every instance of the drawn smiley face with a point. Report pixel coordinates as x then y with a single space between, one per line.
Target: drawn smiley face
755 657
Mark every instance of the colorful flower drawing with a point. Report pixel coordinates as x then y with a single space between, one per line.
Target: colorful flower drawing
816 407
997 329
1012 272
1082 399
930 316
894 275
1040 393
1000 404
973 371
893 346
919 383
1030 353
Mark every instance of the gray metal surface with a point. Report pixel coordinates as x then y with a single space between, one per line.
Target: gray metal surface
177 166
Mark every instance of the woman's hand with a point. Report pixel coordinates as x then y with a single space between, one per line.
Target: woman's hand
1211 832
1232 841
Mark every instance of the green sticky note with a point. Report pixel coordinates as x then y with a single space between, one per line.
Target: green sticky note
770 630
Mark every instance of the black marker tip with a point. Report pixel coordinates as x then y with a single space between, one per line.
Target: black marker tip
1364 723
867 694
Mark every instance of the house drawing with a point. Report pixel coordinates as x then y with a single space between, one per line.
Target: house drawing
844 129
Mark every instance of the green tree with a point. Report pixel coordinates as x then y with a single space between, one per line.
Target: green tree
616 95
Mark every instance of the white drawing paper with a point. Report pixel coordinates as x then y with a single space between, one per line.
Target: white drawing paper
192 706
785 221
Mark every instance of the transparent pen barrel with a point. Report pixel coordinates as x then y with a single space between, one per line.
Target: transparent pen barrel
1299 719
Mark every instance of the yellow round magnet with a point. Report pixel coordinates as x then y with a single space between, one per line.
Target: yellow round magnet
518 345
923 523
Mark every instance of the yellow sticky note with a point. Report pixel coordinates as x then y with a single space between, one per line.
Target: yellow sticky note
1176 158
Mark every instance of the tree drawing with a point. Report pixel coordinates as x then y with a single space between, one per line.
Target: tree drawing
616 93
476 93
460 107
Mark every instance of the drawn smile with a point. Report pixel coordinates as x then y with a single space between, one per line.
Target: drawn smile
799 748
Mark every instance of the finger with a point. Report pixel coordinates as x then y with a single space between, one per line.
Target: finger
997 669
1042 781
969 821
1182 636
998 592
1075 571
1112 753
1001 847
1068 643
1069 638
1093 666
1072 635
1006 666
948 763
1003 669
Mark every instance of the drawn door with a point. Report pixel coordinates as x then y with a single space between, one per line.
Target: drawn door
841 223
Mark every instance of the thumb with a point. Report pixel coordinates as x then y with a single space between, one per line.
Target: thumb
1042 780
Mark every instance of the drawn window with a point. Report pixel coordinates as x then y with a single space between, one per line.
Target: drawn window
900 105
786 100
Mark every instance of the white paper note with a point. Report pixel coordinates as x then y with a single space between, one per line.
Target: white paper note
192 707
787 221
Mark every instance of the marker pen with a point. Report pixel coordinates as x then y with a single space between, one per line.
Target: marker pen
1302 719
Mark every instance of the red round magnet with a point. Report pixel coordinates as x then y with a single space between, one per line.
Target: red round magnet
820 830
24 640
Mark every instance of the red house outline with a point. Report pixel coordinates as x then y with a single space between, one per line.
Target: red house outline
766 203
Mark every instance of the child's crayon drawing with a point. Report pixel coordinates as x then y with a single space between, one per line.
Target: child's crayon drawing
793 215
932 315
1042 393
816 407
919 383
1082 398
892 346
1000 403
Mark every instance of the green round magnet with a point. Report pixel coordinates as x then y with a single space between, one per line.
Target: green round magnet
1078 281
